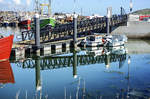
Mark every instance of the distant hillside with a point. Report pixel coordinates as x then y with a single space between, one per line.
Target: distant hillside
143 11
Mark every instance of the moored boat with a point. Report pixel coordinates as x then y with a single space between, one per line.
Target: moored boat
5 47
5 23
93 40
25 22
114 40
47 22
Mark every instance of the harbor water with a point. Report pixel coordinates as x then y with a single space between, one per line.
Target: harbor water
85 73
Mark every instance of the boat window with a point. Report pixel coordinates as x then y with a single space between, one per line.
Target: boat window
92 38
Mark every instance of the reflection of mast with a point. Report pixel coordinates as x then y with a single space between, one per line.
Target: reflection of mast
128 76
121 63
74 64
38 78
107 61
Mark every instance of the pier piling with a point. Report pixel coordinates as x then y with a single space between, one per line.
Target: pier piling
37 45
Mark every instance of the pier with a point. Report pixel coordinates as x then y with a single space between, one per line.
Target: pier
84 28
61 36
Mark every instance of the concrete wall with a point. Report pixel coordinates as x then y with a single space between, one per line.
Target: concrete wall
142 47
134 29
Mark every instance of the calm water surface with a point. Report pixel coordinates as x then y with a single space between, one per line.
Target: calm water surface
91 73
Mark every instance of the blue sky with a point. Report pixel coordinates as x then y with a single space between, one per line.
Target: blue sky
88 7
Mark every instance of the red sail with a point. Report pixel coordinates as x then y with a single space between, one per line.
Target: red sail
5 47
6 73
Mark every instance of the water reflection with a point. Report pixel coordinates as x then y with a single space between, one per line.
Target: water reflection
6 73
38 77
74 63
74 59
78 58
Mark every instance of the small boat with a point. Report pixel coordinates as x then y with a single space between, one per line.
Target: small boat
5 47
93 40
13 24
114 40
6 73
5 23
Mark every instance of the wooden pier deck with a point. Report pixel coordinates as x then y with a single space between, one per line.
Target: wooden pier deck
23 48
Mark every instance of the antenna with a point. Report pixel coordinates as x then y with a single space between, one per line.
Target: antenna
74 5
50 10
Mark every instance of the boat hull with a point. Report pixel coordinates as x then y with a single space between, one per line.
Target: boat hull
5 47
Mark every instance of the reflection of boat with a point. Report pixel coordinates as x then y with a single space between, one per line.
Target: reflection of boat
5 47
93 40
106 50
118 50
114 40
6 73
95 51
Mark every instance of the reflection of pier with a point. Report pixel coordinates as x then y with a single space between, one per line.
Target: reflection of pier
73 59
53 62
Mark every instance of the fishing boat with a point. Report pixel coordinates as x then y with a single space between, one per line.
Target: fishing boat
47 22
5 47
24 22
93 40
114 40
6 73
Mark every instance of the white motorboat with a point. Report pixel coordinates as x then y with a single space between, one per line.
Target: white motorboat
114 40
93 40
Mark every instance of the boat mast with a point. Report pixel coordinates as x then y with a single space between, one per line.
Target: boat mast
50 11
131 6
36 6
